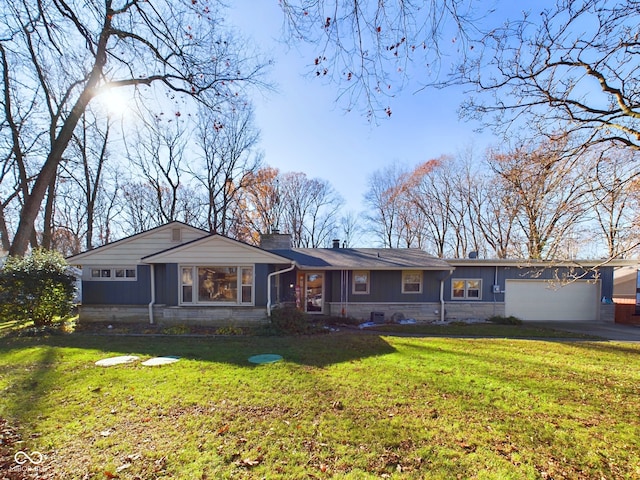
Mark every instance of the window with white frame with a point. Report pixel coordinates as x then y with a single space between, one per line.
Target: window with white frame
466 289
213 284
112 273
360 282
411 281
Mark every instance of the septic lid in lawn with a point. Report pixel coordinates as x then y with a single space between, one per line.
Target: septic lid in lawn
107 362
265 358
160 361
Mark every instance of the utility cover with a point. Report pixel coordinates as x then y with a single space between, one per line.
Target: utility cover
152 362
108 362
265 358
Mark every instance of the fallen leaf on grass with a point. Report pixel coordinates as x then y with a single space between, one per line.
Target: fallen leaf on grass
247 462
123 467
108 474
223 430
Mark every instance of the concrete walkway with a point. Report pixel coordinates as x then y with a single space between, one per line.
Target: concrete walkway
609 331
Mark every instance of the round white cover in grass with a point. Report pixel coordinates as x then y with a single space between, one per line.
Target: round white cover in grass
265 358
108 362
160 361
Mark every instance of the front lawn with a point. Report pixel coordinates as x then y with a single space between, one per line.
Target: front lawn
341 405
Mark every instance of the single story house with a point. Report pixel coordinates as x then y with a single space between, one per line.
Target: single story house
176 273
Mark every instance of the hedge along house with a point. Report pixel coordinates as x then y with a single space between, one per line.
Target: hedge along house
176 274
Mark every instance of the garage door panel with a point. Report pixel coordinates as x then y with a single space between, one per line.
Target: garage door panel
541 300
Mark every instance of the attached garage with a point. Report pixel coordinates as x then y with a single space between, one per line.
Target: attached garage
543 300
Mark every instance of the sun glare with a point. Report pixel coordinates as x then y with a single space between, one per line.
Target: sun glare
114 101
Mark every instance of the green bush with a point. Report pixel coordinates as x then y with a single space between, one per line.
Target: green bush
37 287
177 330
289 320
229 330
501 320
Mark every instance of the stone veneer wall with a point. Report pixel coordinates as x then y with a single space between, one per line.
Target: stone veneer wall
422 312
607 313
430 312
214 317
466 310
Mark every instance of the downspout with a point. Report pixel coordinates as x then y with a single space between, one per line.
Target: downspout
442 294
153 294
269 277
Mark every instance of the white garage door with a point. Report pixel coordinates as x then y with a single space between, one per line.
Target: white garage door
541 300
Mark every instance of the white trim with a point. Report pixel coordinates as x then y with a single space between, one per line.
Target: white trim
354 273
87 273
466 289
323 291
195 286
153 296
269 277
421 284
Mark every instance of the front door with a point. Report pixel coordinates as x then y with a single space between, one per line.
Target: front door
314 292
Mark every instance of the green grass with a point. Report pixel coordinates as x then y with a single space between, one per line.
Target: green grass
343 405
479 330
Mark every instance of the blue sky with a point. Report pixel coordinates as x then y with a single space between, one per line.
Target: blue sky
304 129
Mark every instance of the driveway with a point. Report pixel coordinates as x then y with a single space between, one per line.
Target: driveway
610 331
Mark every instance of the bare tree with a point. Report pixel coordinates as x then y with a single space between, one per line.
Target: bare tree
573 66
383 198
349 229
366 48
157 150
549 192
615 198
60 55
432 194
82 177
310 209
227 162
261 205
495 211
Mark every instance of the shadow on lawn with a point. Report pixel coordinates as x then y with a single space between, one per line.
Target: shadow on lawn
313 350
24 395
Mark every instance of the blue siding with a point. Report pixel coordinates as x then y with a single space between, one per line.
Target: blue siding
384 286
167 284
261 275
115 292
488 276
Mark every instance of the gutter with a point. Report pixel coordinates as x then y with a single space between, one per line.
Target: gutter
153 295
442 293
269 277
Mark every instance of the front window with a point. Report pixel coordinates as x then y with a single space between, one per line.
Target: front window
464 289
112 273
360 282
187 285
412 281
217 284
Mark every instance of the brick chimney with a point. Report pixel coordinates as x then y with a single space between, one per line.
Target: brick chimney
275 241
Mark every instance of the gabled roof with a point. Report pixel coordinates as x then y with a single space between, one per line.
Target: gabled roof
363 259
215 249
129 250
